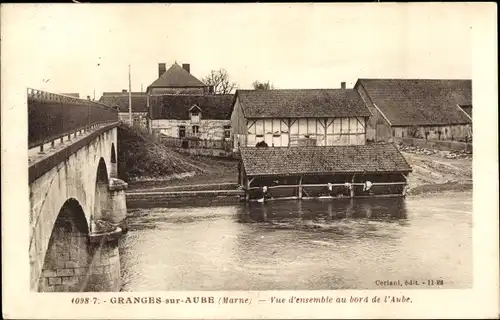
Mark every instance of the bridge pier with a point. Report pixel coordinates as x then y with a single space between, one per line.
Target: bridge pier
104 267
116 207
110 221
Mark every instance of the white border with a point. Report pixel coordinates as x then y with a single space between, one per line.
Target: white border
481 301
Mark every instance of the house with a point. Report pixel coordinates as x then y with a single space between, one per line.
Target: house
177 80
299 117
204 116
420 108
121 101
305 172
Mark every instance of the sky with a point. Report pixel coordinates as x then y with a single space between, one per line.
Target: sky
86 47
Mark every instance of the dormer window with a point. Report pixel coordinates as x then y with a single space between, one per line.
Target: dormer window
195 114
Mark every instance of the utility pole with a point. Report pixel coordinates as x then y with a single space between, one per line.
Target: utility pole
129 96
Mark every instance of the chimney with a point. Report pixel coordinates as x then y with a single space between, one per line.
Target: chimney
88 97
161 69
342 85
186 67
124 90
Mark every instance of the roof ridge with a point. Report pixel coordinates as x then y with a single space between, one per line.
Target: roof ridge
419 79
177 76
303 89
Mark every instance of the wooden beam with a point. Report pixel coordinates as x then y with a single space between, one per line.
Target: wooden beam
300 187
250 181
352 186
405 186
250 124
304 191
333 185
247 189
324 132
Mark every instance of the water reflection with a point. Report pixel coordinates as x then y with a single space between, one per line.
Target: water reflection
382 209
299 245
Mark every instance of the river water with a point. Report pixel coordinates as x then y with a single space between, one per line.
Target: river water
301 245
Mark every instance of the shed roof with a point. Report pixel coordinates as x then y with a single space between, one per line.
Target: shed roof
176 76
420 101
139 101
371 158
212 106
301 103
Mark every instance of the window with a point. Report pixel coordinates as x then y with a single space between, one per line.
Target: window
227 131
196 129
195 113
182 131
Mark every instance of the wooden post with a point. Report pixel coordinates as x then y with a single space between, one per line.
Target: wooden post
300 187
239 173
247 188
352 186
403 193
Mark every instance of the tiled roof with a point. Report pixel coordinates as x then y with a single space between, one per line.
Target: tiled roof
301 103
139 101
120 93
213 106
420 101
467 109
320 160
72 94
176 76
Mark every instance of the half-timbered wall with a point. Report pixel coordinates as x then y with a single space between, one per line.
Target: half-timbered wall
306 131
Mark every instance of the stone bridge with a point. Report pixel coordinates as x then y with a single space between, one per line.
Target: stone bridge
77 205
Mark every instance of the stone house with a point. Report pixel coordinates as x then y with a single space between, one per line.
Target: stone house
420 108
299 117
177 80
192 116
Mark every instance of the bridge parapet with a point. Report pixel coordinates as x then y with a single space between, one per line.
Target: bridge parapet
53 116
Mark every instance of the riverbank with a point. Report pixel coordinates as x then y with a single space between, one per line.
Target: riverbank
432 172
438 172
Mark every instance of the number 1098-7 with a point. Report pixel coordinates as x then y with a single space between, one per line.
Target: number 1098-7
84 300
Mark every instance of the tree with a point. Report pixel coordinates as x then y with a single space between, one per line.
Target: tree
257 85
219 79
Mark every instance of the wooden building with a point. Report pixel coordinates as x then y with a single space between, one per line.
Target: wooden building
307 172
432 109
299 117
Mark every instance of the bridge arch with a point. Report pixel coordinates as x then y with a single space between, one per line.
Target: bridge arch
113 162
101 191
67 257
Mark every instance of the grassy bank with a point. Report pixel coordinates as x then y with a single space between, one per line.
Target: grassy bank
146 163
